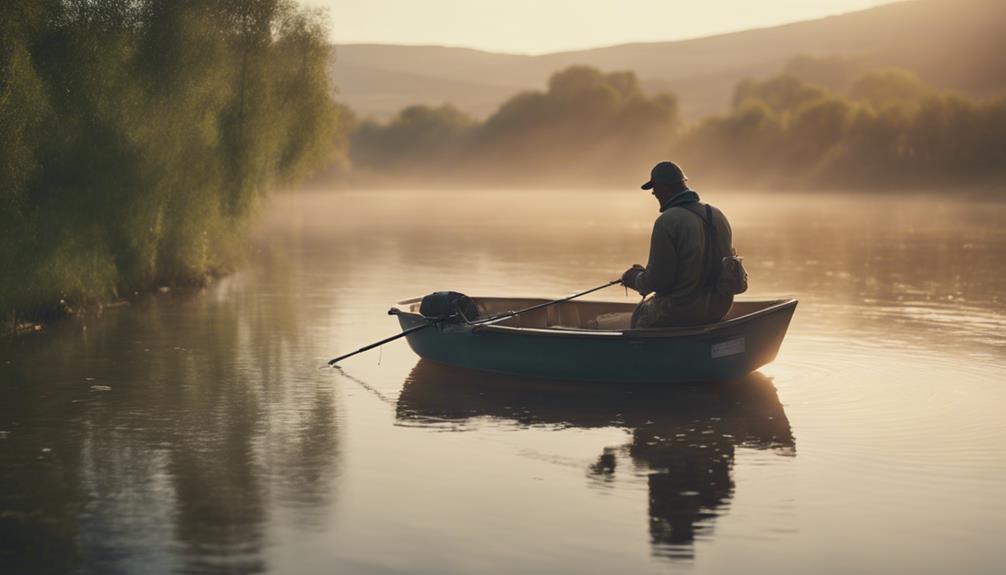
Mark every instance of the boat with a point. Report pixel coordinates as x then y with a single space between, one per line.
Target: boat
592 341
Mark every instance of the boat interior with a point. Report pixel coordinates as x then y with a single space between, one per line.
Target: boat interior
578 314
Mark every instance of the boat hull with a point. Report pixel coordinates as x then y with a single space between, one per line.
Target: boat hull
728 350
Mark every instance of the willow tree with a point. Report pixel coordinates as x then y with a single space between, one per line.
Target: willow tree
143 133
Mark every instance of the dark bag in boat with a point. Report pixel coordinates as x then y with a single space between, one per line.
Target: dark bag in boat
443 305
724 274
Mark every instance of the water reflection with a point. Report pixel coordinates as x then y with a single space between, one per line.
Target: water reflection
684 438
172 436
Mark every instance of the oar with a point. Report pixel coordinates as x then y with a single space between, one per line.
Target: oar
505 315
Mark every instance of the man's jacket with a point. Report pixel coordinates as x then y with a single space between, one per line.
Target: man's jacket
677 260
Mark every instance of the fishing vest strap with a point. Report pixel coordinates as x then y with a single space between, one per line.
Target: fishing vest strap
710 265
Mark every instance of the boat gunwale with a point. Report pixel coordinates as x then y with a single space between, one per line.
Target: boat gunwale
778 305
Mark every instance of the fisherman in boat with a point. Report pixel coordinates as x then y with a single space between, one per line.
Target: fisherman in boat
688 242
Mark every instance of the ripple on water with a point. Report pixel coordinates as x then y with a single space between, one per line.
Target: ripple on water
895 411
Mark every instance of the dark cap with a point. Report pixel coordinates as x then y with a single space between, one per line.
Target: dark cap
665 173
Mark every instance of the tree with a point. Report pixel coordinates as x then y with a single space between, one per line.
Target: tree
889 88
784 93
161 123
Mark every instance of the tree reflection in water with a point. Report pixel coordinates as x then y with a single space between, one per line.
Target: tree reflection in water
211 428
684 438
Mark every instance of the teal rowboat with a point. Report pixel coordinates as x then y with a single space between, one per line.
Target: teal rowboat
591 341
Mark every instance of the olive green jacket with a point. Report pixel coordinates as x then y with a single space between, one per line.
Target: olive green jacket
677 257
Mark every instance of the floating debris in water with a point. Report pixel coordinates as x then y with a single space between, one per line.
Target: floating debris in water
4 434
101 388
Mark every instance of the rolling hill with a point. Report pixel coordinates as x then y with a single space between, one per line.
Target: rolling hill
952 44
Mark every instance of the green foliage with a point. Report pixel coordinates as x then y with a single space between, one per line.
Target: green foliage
585 123
889 88
783 93
891 130
141 135
589 127
418 138
884 128
747 139
816 129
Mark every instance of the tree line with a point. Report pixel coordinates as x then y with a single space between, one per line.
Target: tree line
888 130
140 135
586 126
870 128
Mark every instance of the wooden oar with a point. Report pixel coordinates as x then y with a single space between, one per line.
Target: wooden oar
502 316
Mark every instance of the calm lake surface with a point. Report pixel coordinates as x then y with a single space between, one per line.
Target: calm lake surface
195 432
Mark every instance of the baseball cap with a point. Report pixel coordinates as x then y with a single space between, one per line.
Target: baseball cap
665 173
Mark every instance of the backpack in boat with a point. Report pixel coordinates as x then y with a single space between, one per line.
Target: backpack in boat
449 305
724 275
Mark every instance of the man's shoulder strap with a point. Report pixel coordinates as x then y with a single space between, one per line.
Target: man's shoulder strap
697 209
710 270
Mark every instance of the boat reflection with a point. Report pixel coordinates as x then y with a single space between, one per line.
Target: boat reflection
684 438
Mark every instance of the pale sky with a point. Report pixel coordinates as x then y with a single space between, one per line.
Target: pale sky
538 26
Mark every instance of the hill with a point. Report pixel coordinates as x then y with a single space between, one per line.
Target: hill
951 44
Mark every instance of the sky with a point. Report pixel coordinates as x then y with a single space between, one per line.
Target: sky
540 26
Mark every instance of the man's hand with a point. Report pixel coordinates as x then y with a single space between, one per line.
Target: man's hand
630 275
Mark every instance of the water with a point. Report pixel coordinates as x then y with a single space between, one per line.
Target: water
194 432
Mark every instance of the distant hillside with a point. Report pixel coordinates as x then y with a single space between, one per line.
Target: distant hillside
951 44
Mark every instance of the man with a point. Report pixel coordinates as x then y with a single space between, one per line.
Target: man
679 270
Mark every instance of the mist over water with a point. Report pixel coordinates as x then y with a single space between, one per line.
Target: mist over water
195 431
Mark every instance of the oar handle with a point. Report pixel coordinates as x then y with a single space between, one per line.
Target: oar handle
412 329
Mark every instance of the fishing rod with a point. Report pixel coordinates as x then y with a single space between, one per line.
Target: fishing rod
459 314
510 314
334 361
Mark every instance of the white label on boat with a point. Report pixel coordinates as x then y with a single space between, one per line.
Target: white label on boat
728 347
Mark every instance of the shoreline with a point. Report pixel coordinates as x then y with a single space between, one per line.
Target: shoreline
17 325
